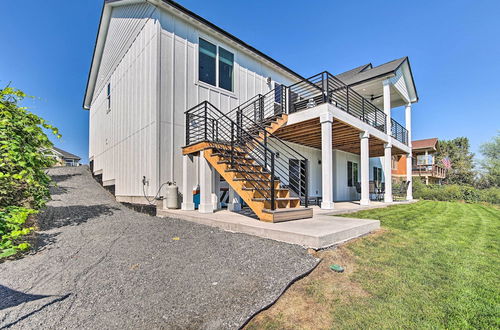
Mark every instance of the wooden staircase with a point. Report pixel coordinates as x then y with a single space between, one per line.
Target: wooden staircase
251 180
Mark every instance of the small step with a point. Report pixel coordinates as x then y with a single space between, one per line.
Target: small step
264 189
254 180
239 164
245 171
278 199
280 215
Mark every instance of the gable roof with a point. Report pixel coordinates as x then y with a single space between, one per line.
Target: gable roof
353 77
431 143
66 154
99 44
368 72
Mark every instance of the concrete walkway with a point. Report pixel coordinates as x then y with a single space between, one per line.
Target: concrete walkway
321 231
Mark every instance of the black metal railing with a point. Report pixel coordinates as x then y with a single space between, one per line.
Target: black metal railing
262 107
399 132
231 139
326 88
290 166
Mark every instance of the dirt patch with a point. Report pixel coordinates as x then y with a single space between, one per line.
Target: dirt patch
308 302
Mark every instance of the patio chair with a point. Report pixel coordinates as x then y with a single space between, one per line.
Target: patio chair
400 192
380 190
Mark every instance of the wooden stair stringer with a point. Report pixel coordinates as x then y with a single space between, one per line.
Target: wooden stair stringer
246 195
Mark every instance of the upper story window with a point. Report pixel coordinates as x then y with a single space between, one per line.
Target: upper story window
425 159
108 96
215 65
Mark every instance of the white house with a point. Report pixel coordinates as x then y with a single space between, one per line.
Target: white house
173 97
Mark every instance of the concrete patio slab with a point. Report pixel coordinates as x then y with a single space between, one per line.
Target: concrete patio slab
322 230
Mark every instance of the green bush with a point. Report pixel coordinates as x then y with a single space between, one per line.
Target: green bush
24 155
455 192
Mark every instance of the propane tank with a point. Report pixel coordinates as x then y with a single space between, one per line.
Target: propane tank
172 199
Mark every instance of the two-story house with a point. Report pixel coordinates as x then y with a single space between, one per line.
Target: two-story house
424 164
173 97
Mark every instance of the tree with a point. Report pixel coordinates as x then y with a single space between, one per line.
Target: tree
462 160
490 176
24 186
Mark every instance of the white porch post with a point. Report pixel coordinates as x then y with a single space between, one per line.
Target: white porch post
409 163
326 161
234 203
188 181
388 172
388 146
365 168
387 107
215 189
206 205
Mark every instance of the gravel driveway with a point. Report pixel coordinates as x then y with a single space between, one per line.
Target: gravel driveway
102 265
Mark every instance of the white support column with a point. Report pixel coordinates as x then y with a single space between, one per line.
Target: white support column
234 202
326 161
188 182
215 189
388 145
409 162
387 106
388 173
206 205
365 168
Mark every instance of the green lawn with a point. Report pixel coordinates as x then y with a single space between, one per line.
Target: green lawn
434 265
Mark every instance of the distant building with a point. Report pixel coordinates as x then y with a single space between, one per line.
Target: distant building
65 158
424 163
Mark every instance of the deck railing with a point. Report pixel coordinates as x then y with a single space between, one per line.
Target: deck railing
399 132
433 170
326 88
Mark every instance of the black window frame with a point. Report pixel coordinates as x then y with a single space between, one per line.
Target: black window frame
108 96
352 173
219 63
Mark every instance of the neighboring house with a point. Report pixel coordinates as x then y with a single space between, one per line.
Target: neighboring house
173 97
65 158
424 163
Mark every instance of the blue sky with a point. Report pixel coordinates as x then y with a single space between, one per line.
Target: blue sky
454 50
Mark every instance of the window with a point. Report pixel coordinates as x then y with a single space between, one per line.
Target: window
108 96
226 61
352 174
377 174
215 65
206 62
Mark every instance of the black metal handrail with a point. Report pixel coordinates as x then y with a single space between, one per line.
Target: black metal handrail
326 88
206 123
399 132
286 157
262 107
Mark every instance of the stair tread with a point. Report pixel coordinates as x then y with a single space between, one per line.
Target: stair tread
264 189
278 199
288 209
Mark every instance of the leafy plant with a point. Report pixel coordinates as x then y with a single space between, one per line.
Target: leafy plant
25 153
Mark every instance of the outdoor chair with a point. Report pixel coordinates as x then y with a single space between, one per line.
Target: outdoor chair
400 192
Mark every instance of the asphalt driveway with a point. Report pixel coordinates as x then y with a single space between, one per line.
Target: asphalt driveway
102 265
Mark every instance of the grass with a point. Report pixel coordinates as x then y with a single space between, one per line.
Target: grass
432 265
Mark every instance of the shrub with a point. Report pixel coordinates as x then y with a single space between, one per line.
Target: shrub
455 192
24 156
